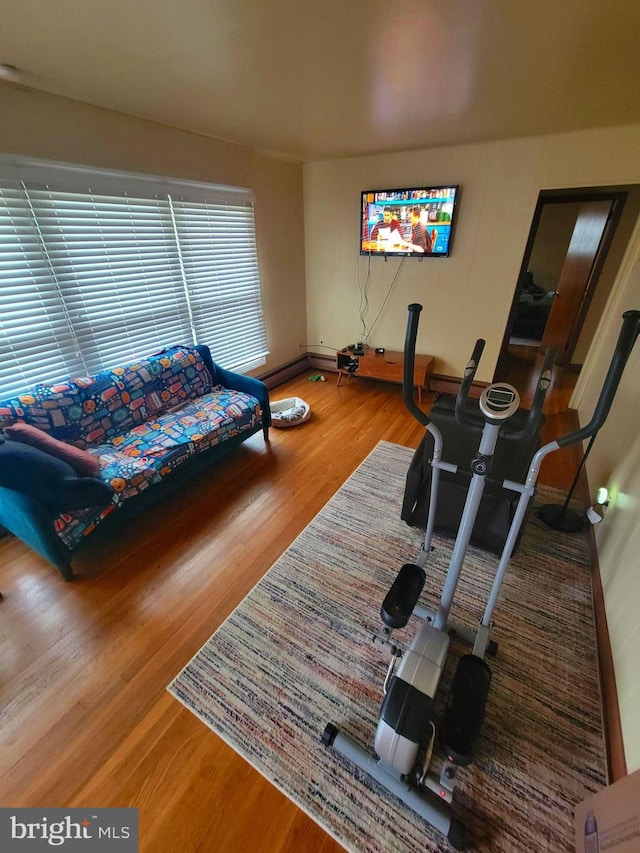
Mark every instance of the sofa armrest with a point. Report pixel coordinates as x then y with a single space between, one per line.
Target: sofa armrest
239 382
33 523
51 481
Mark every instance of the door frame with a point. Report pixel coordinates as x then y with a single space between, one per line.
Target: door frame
617 198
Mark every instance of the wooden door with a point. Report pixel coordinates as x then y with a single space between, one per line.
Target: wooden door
575 278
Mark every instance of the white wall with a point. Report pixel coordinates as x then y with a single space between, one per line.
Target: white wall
469 296
36 124
614 462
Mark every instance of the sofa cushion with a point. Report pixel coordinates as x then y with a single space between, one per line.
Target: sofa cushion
118 400
153 448
55 408
48 479
164 381
89 410
141 457
81 461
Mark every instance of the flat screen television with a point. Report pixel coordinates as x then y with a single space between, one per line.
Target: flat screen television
414 221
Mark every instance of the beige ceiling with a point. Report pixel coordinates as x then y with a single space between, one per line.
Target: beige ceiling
335 78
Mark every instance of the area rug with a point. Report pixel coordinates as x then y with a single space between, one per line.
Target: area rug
297 654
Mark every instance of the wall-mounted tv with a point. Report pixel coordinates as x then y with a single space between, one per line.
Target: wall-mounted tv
413 221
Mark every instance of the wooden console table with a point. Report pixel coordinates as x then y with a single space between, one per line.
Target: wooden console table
386 366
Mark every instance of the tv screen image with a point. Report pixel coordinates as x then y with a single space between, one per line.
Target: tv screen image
415 221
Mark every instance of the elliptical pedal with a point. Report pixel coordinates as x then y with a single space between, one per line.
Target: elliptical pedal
463 716
403 596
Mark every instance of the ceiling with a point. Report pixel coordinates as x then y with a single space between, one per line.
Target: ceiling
337 78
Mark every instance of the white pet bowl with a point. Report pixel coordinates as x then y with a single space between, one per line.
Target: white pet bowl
289 412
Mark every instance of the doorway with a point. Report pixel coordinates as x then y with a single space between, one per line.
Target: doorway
569 240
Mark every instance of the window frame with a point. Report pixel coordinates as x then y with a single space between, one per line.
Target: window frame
59 198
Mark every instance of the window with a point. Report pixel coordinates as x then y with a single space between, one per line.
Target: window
97 269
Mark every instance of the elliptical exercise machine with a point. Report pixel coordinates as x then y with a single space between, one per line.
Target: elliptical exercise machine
405 726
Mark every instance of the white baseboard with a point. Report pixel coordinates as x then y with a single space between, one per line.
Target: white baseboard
321 361
285 371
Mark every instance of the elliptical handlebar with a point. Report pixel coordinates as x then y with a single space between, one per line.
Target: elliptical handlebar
535 413
533 419
463 391
409 362
626 339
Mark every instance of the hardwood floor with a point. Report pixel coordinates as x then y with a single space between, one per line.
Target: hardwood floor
86 720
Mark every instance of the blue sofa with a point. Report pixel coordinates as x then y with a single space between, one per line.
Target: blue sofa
81 455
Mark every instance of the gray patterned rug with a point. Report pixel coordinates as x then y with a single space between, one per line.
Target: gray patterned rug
296 654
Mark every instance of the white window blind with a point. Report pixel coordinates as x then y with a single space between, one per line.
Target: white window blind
97 269
36 341
220 264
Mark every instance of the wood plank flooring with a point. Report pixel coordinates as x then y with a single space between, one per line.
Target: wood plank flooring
85 719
